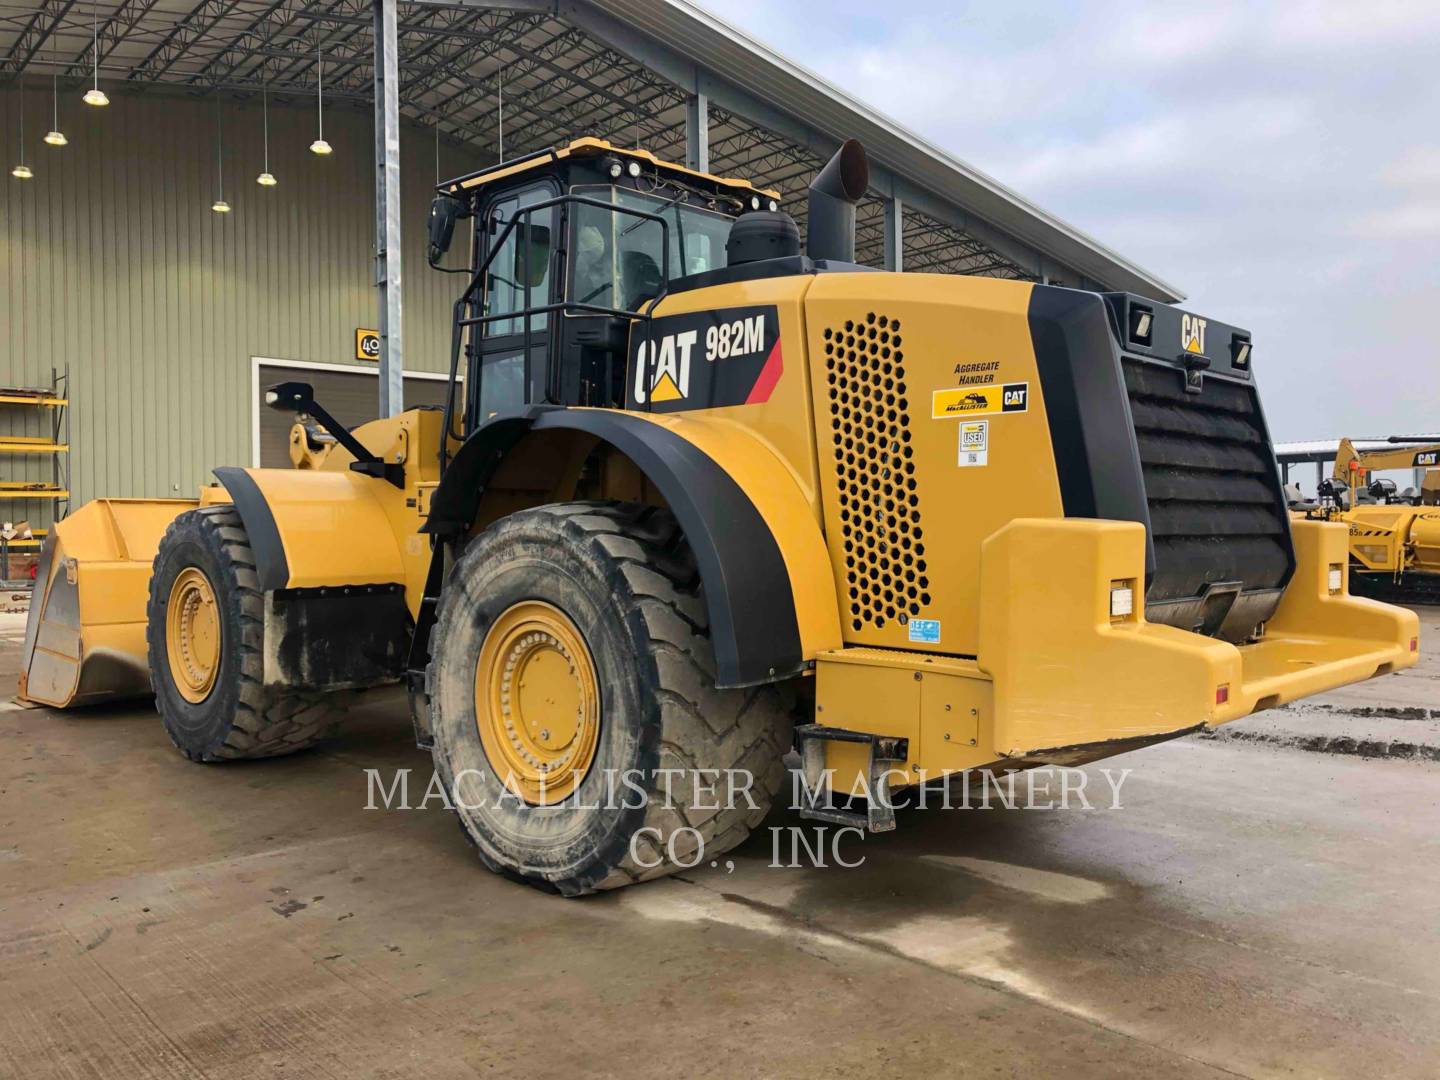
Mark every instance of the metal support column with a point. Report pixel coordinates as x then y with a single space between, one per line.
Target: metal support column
388 279
697 132
894 235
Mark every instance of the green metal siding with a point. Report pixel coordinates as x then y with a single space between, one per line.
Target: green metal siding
112 261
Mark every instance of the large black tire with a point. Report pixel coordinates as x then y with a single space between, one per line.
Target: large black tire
238 718
623 574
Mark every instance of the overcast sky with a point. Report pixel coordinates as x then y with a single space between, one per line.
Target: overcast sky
1279 163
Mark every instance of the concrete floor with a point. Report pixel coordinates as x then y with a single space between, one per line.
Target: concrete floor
1252 910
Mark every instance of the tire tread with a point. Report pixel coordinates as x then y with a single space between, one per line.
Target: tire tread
266 723
655 584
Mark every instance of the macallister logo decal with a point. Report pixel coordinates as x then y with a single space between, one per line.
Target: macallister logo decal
979 400
704 359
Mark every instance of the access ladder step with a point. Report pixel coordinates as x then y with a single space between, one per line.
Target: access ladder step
886 752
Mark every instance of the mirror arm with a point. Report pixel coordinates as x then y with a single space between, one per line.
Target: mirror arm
299 397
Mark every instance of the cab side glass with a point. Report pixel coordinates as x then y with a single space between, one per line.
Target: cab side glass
594 257
532 255
519 275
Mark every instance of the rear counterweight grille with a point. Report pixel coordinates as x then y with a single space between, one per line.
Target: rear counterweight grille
1216 512
885 569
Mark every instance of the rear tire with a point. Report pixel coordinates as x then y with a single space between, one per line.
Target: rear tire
623 578
212 699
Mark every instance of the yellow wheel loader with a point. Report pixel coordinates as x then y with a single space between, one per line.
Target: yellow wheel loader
703 497
1394 535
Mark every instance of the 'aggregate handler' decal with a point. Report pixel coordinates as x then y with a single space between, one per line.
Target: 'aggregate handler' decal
979 400
980 371
704 359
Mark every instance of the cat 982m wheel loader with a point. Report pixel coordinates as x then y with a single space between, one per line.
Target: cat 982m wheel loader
701 498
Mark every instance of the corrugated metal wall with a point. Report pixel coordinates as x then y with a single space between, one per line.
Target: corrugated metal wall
112 261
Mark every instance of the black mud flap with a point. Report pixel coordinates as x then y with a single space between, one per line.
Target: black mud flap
342 637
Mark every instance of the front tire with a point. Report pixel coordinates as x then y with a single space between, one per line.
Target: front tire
571 649
206 636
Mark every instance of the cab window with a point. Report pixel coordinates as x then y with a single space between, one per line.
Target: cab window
519 275
618 259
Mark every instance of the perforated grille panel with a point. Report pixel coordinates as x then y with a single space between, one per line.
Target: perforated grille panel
875 472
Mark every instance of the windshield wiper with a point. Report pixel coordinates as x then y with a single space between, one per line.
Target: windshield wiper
643 221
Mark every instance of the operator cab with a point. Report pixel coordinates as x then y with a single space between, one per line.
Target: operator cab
566 246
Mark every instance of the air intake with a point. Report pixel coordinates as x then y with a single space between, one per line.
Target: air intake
761 235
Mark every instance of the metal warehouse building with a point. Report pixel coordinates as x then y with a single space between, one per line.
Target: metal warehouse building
120 264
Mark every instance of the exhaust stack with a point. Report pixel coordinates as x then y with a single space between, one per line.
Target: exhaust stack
830 231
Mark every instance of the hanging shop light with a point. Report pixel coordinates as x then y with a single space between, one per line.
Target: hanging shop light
55 137
95 96
266 178
320 146
220 206
22 171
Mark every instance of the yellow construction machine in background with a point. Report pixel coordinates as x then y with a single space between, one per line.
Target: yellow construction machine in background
1394 533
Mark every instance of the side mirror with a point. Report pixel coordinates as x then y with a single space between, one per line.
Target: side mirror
296 397
443 212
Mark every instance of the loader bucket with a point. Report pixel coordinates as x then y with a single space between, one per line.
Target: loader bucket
85 635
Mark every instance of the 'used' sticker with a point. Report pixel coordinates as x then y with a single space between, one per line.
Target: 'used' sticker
974 442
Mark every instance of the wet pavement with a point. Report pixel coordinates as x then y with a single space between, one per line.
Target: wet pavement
1249 908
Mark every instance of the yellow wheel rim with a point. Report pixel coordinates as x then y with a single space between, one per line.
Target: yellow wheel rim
192 634
537 702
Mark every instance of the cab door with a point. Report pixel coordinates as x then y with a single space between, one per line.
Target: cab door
510 354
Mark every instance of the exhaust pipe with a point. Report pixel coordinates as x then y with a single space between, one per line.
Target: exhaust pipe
830 230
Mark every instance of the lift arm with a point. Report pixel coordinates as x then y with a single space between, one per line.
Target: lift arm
1351 465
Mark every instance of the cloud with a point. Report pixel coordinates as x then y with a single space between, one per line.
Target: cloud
1277 160
1415 220
1417 166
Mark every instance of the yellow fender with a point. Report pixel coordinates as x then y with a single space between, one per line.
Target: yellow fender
791 519
321 524
313 528
756 537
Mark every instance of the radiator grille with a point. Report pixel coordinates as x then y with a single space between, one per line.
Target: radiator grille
875 472
1216 512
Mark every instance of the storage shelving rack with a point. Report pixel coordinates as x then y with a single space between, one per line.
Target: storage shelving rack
55 400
